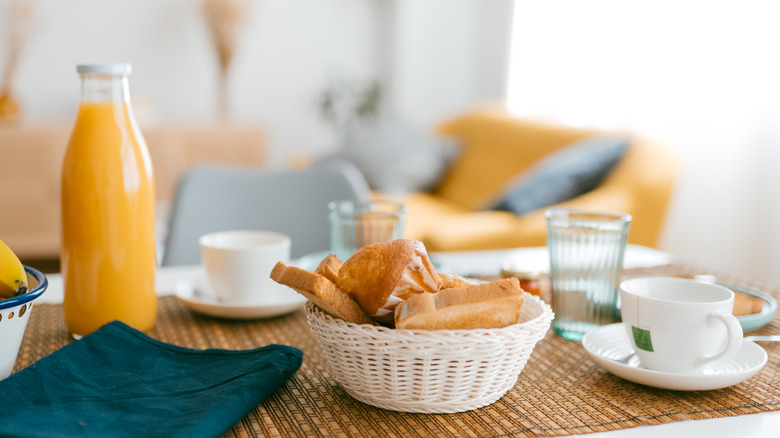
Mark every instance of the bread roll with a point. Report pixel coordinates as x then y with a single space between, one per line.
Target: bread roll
481 306
323 292
381 275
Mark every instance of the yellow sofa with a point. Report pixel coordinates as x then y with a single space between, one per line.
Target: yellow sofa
496 148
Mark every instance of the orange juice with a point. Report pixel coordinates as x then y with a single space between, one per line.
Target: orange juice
108 220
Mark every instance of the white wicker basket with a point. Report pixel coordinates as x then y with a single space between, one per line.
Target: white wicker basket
439 371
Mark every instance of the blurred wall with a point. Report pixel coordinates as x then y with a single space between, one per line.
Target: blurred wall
670 71
435 59
433 64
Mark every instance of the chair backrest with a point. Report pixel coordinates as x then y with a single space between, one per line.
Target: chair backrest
295 202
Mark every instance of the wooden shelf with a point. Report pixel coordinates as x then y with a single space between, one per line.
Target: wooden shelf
32 159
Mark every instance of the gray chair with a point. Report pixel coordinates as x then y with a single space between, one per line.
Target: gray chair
215 198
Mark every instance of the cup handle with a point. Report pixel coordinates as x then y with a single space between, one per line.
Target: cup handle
734 339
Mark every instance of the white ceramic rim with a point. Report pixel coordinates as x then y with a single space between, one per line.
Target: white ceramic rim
724 294
244 240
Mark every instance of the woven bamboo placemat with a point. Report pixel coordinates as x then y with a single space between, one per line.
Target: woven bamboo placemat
561 391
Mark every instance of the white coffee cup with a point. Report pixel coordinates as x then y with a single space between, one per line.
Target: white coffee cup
238 265
679 325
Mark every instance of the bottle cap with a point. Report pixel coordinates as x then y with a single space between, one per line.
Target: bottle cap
105 69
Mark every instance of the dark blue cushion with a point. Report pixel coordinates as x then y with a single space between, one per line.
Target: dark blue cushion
118 382
563 175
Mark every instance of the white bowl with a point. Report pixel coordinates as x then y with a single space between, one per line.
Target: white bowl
14 314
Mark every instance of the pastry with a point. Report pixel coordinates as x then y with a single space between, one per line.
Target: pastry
381 275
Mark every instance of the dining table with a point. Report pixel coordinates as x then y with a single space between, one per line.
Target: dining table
561 390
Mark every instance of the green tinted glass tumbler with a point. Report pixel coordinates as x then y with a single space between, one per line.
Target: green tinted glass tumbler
586 265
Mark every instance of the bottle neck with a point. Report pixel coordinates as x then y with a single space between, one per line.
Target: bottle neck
102 88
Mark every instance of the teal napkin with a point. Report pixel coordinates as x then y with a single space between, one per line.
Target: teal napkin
118 382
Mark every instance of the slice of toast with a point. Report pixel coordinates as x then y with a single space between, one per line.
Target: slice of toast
329 268
490 305
321 291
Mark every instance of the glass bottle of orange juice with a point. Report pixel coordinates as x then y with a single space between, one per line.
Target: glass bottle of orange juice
108 257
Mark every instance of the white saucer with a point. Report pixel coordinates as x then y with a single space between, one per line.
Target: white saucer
607 344
197 296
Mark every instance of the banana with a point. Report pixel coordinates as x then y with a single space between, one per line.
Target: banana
13 279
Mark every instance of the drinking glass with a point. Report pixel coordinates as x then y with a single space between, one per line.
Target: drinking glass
586 264
354 224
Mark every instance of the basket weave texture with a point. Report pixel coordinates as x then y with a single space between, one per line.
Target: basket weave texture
437 371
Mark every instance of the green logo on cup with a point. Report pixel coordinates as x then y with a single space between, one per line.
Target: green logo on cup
642 338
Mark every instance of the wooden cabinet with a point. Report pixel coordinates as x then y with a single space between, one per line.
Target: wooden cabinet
31 160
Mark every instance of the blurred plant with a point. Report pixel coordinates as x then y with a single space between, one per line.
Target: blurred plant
225 19
19 22
348 105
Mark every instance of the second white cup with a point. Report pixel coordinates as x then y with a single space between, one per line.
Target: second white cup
238 265
679 325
